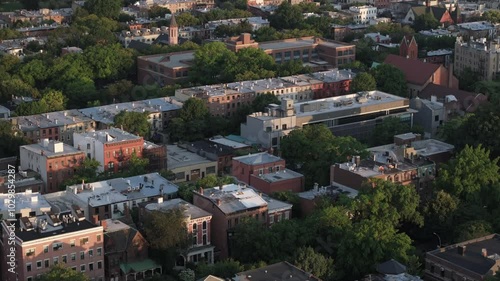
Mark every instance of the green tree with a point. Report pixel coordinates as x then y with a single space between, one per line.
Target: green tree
31 4
166 229
34 72
60 272
186 19
91 30
287 16
384 132
136 165
186 275
80 92
292 67
192 122
425 22
109 62
470 171
363 82
224 269
55 100
468 79
104 8
16 87
472 230
390 80
11 139
210 62
492 16
439 213
483 128
87 169
250 63
317 264
260 103
134 122
8 33
157 11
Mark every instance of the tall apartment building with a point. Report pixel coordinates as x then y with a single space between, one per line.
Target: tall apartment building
53 160
42 241
363 14
226 99
59 125
112 148
231 203
198 224
266 173
167 69
480 55
354 115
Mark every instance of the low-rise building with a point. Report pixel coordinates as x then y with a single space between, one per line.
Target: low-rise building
42 241
472 260
126 253
441 56
24 204
189 166
156 154
198 225
59 125
22 181
311 199
276 271
231 203
114 198
477 29
266 173
112 148
214 151
53 160
430 116
71 50
38 16
255 22
355 115
378 38
363 14
4 112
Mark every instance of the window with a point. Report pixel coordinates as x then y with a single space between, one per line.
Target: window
65 259
99 264
436 118
204 225
88 145
29 278
73 256
91 267
28 267
57 246
204 239
38 264
111 165
82 255
261 171
72 243
91 253
82 268
55 260
270 169
30 252
84 241
99 235
74 268
277 168
99 251
46 263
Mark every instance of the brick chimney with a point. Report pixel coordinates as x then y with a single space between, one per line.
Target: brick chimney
95 219
104 224
484 252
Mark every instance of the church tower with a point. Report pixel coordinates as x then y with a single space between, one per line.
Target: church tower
408 47
173 32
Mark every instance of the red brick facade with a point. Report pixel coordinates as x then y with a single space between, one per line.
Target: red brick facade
117 154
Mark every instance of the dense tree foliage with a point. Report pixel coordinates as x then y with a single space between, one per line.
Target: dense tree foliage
312 149
390 80
492 16
104 8
11 139
136 123
363 82
317 264
395 30
425 22
60 272
390 126
157 11
224 269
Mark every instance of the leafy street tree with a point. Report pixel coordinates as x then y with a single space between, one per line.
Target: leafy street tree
363 82
390 126
472 230
425 22
492 15
439 212
51 101
317 264
11 139
224 269
109 62
192 122
134 122
60 272
136 165
186 19
287 16
391 80
157 11
468 79
312 150
104 8
251 63
209 62
470 172
483 129
16 87
260 103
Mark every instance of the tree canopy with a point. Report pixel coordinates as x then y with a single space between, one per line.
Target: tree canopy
363 82
104 8
390 80
61 272
136 123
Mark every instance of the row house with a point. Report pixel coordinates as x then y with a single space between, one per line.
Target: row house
37 16
48 239
188 166
58 126
231 203
23 181
55 161
216 152
198 226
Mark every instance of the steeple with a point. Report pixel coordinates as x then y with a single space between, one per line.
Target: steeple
173 32
173 23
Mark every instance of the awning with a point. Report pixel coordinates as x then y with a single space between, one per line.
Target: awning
139 266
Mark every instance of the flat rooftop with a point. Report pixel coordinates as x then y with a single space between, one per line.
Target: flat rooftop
172 60
228 142
25 201
113 225
440 52
430 147
51 119
178 157
231 198
106 114
346 102
258 158
121 190
61 149
306 42
274 205
472 259
110 135
189 210
334 75
334 189
282 175
276 271
477 25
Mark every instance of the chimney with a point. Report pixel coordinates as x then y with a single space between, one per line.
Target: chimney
95 219
484 252
104 224
201 190
461 250
218 202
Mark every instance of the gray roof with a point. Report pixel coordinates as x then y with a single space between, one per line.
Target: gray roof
234 198
177 203
258 158
392 267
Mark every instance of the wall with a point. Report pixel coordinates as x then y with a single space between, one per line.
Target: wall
187 170
293 185
244 171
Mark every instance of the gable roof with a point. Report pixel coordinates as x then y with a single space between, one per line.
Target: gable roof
119 241
468 101
437 12
416 72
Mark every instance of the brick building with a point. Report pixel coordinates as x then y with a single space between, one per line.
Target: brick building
156 154
472 260
214 151
311 199
198 224
126 253
44 240
408 47
23 180
53 160
37 16
112 148
266 173
231 203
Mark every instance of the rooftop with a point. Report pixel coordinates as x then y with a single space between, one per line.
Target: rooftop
275 271
477 25
346 102
205 146
305 42
278 176
431 147
416 72
172 60
52 119
232 198
258 158
440 52
110 135
121 189
27 200
228 142
190 210
472 259
334 189
105 114
51 148
467 100
23 178
180 157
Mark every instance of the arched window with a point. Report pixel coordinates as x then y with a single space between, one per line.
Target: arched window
205 225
